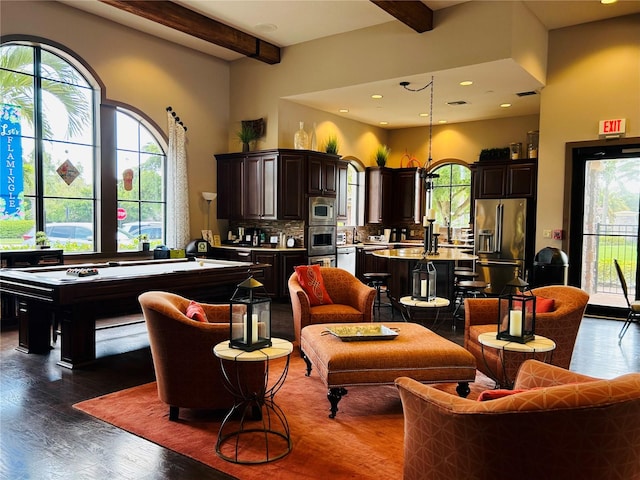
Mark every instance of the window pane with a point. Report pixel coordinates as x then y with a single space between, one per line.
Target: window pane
56 68
18 58
67 112
128 136
128 175
69 224
152 177
68 170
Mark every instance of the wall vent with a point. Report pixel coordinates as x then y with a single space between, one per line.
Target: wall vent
457 102
526 94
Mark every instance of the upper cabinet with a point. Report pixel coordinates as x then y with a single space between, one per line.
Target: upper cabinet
323 178
505 179
393 195
275 184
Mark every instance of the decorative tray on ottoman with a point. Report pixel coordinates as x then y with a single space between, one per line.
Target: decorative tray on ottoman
359 333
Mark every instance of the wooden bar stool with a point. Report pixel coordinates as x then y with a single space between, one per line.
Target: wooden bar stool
379 280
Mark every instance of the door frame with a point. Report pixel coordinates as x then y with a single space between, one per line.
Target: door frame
576 154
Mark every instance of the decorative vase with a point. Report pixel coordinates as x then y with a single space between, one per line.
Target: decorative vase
314 140
301 139
245 147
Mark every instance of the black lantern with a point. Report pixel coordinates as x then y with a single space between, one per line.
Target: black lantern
516 317
250 316
424 281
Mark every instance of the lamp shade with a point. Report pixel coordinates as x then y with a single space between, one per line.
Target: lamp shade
208 196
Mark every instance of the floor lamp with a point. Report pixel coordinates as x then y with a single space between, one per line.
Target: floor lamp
209 196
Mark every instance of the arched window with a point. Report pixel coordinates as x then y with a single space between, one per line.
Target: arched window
452 197
53 170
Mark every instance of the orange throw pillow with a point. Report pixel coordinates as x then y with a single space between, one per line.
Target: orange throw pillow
496 393
544 305
196 312
310 280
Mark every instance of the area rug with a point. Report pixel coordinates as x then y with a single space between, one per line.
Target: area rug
364 441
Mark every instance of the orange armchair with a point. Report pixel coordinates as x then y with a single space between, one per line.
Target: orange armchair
561 325
188 374
567 426
353 301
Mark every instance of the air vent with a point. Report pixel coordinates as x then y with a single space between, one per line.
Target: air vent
526 94
457 102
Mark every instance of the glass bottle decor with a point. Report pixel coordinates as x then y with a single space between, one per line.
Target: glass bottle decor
301 139
314 141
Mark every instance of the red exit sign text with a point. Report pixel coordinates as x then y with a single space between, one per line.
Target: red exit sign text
613 127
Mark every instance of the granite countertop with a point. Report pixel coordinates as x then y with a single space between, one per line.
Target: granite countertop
267 249
448 254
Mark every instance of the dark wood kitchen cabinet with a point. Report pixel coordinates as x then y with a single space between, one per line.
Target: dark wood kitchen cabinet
230 188
505 179
271 275
261 192
408 196
323 174
341 195
292 186
289 260
393 195
378 195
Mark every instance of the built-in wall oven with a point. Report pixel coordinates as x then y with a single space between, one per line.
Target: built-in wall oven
321 241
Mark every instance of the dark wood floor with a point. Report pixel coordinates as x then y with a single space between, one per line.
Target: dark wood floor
43 437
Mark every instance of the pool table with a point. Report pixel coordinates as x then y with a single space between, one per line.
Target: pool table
75 295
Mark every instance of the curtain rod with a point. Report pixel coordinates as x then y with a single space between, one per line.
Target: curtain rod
177 119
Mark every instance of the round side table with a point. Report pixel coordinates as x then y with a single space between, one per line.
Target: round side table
437 303
270 423
539 344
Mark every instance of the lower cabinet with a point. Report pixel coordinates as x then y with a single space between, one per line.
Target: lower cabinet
275 278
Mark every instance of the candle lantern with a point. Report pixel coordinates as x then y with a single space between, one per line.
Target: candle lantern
250 316
516 317
424 281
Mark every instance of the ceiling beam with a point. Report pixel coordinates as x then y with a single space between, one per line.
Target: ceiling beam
192 23
413 13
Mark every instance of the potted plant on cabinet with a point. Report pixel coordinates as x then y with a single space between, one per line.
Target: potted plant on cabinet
381 155
246 135
145 246
331 146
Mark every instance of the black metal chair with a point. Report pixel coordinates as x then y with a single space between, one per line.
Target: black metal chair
634 307
379 282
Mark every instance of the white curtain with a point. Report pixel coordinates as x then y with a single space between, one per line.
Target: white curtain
178 234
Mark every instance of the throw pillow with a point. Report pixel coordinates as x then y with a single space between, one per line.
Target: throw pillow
544 305
496 393
311 281
196 312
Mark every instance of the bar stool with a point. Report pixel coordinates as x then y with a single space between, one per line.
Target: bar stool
467 289
378 280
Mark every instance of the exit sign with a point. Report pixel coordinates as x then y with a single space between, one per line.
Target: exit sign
616 126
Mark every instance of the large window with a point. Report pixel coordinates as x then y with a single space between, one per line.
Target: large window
355 196
452 197
51 177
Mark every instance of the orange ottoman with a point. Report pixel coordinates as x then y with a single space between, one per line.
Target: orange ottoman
416 352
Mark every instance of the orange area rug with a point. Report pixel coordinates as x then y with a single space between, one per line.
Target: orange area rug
364 441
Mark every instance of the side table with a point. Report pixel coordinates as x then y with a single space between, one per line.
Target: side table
437 303
539 344
268 428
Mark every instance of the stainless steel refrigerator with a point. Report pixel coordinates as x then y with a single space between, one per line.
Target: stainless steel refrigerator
500 233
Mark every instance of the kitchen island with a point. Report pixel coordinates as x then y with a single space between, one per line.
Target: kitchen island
402 261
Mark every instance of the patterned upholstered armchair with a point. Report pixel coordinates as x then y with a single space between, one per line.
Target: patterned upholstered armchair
560 325
188 374
352 300
565 425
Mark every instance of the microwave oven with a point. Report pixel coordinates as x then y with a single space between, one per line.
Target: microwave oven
322 211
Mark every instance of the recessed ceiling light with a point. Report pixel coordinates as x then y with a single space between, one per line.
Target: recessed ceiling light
266 27
442 121
505 105
384 123
608 2
423 114
344 110
376 96
466 83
